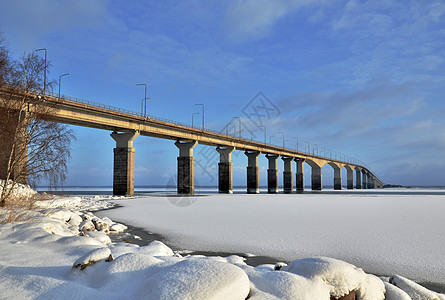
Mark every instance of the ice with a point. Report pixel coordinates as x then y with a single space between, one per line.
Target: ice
382 234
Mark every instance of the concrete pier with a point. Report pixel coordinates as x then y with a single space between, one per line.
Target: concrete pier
349 178
337 178
369 181
252 172
364 179
225 170
272 174
358 178
317 184
300 175
287 175
186 167
123 167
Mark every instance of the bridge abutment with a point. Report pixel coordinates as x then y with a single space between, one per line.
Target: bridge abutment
272 174
123 169
186 167
225 170
252 172
300 175
287 175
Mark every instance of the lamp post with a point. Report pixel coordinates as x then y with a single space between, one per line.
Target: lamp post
283 138
270 139
202 114
239 125
265 136
60 81
324 151
193 115
296 145
251 134
145 99
308 147
313 149
44 76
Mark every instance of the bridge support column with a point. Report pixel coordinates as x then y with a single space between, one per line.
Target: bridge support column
186 167
252 172
316 176
369 181
337 179
358 178
287 175
350 178
272 174
225 167
364 177
123 169
300 175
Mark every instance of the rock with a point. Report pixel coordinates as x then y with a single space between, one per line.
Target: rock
101 225
100 236
86 225
394 293
279 265
101 254
414 290
75 220
118 227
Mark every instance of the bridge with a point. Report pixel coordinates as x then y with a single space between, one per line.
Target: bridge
126 126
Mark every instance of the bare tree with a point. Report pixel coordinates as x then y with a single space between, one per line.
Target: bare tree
32 146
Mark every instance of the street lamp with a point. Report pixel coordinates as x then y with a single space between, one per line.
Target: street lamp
44 77
193 115
60 81
265 136
145 99
239 124
251 134
270 139
313 152
202 114
283 137
296 145
308 147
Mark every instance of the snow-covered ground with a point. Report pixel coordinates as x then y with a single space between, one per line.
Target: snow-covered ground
383 234
64 252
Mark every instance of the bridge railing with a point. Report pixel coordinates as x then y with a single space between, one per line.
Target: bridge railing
133 113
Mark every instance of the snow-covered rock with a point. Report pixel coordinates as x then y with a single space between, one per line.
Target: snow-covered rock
100 236
196 279
341 276
92 258
414 290
394 293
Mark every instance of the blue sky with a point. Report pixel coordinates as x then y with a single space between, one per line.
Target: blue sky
362 78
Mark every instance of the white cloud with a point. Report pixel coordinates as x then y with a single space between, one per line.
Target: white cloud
253 19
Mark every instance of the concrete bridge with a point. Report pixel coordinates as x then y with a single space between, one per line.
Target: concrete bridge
125 126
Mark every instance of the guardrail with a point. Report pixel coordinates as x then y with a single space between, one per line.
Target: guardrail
133 113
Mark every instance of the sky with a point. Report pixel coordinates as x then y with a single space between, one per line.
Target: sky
362 78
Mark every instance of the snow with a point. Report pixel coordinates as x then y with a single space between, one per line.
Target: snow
382 234
340 276
52 254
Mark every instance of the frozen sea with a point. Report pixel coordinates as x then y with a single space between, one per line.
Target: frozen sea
383 231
